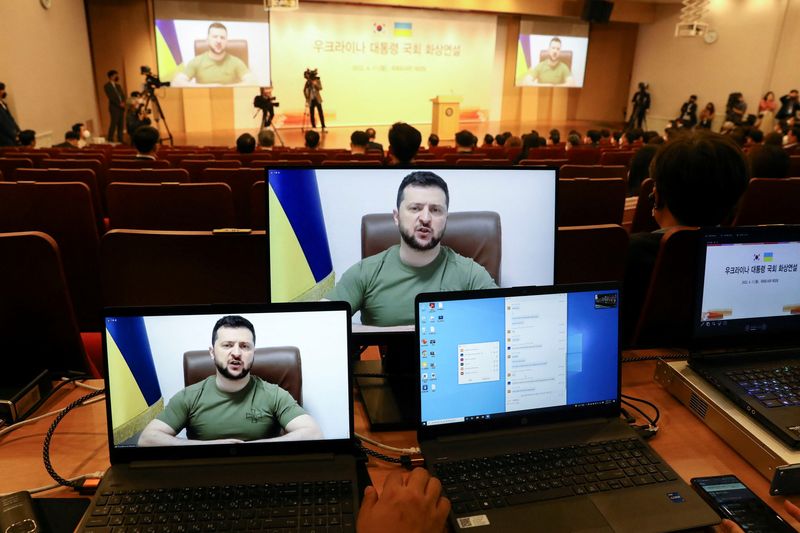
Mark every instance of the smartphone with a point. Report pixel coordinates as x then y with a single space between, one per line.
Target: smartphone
732 499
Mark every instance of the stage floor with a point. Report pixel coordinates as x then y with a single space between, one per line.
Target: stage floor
339 137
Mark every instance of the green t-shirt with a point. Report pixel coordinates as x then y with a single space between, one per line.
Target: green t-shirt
383 288
207 70
546 73
258 411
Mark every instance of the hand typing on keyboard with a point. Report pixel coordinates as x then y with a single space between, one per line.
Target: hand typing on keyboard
408 505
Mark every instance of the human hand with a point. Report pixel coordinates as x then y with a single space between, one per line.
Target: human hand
729 526
411 505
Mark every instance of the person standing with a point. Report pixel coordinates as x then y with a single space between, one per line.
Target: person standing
641 103
313 97
116 105
9 131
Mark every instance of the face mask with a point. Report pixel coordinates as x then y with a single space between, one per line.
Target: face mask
87 135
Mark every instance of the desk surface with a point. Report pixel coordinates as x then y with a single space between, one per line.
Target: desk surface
80 445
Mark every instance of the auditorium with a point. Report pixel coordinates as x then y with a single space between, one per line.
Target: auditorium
465 262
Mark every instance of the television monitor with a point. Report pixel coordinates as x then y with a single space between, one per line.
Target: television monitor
324 221
551 53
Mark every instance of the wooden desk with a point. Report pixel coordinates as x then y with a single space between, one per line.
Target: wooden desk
80 443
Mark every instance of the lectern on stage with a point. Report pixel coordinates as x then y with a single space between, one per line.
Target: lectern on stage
446 110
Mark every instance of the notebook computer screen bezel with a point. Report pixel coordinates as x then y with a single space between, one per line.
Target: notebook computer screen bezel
273 449
522 419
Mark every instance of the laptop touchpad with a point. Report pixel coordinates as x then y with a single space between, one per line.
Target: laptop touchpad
574 515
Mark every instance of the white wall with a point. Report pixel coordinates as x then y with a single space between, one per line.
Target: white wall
755 52
47 67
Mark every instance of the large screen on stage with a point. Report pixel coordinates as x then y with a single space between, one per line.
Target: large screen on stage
551 53
208 53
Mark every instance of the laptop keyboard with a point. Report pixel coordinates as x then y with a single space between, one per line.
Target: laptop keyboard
323 506
773 387
538 475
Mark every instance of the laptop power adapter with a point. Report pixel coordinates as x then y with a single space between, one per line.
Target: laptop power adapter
19 399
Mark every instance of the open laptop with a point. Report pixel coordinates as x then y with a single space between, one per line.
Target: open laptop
301 350
520 403
747 322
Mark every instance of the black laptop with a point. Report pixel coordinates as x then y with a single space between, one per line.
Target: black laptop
152 355
520 402
747 322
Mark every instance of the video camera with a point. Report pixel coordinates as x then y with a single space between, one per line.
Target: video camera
265 103
152 81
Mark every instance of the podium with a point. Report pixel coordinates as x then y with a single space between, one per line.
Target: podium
446 111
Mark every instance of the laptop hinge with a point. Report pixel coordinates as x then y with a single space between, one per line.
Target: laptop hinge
510 432
736 355
217 461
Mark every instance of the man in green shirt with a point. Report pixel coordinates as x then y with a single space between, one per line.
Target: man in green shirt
384 285
551 71
231 406
215 66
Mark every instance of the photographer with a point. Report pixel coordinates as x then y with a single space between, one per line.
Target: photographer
267 104
311 91
137 114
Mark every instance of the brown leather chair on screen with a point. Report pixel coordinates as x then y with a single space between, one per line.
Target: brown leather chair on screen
593 171
665 319
170 206
64 211
10 164
183 267
82 175
475 234
37 320
583 201
258 205
643 215
590 253
279 365
769 201
241 181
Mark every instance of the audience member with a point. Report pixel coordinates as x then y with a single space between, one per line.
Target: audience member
555 136
465 141
632 135
312 140
266 139
246 144
755 136
640 167
791 137
70 141
372 145
488 139
500 139
8 126
605 136
145 140
136 114
688 114
768 161
514 141
404 143
529 142
573 140
27 139
358 142
774 138
790 106
433 140
727 127
706 117
617 137
698 181
735 109
593 138
84 135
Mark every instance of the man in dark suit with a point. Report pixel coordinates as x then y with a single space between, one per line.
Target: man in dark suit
8 126
116 105
372 146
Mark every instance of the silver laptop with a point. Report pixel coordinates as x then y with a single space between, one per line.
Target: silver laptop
195 444
520 402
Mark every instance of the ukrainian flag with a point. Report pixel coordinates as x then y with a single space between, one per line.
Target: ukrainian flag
402 29
768 257
300 259
135 393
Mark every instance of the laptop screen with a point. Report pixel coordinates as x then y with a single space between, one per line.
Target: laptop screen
749 284
484 357
235 377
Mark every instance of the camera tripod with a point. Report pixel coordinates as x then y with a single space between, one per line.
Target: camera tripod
271 125
158 115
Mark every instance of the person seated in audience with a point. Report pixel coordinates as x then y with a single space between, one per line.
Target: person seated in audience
70 141
488 140
515 141
145 140
84 134
699 179
433 141
573 141
640 167
605 137
136 114
411 505
542 142
465 141
555 136
500 139
791 137
373 146
729 526
774 138
648 136
529 142
266 139
404 143
593 138
246 144
755 137
706 117
790 106
358 142
27 139
616 137
631 136
768 161
727 127
312 139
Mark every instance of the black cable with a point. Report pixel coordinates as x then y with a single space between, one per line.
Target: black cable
48 437
646 402
379 455
645 415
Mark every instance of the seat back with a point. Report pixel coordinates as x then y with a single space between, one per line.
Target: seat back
195 167
258 205
10 164
643 215
64 211
769 201
279 365
241 181
82 175
590 253
583 156
183 267
37 320
138 163
170 206
794 166
547 153
475 234
583 202
617 157
592 171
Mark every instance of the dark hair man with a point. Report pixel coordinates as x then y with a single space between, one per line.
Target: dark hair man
71 139
358 142
145 140
312 139
555 136
116 105
266 139
790 106
210 412
641 103
404 143
465 141
488 139
215 65
688 115
433 140
594 137
8 126
371 144
246 144
27 138
383 286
